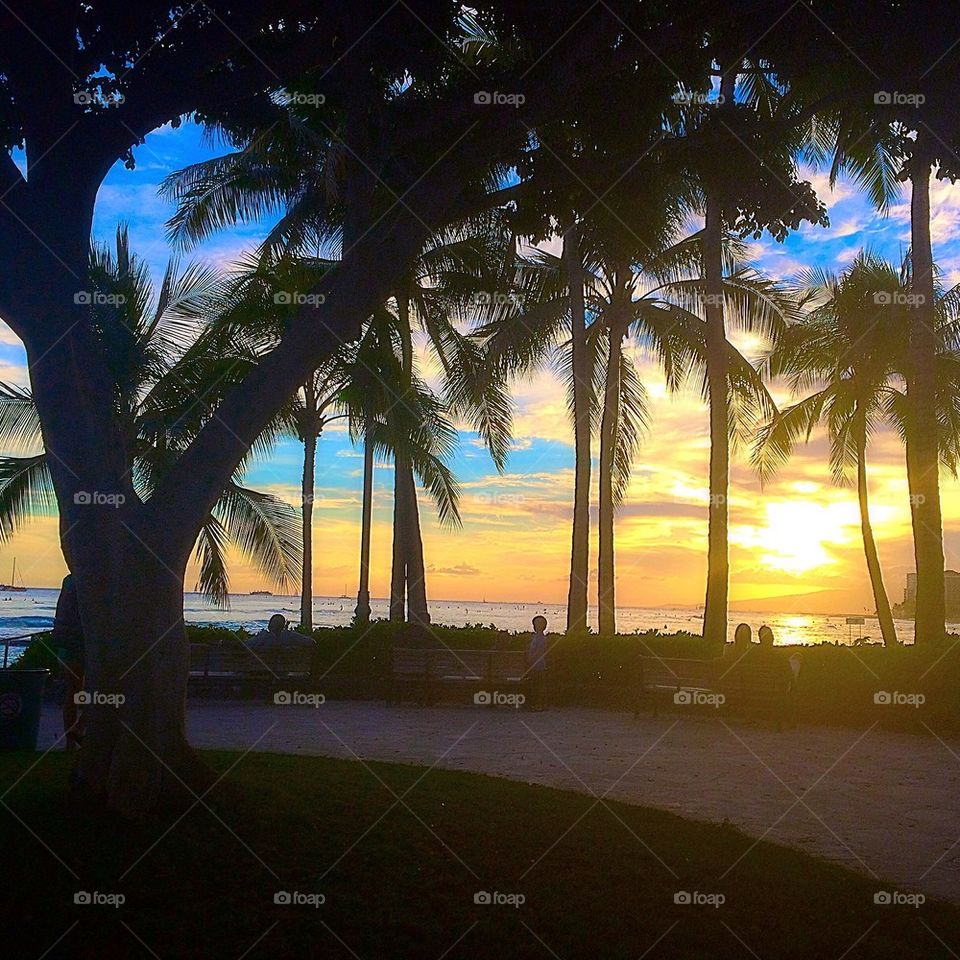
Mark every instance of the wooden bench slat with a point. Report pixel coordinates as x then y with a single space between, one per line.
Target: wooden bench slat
756 681
212 665
423 670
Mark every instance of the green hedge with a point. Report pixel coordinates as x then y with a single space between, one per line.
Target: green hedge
838 683
38 654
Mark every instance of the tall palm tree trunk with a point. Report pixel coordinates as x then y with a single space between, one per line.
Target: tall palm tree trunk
306 499
718 548
580 547
409 571
362 612
306 581
609 428
417 611
398 571
718 561
923 455
880 599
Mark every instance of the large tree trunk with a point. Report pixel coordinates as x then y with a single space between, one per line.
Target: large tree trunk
609 428
880 599
718 561
922 442
362 613
718 548
135 750
580 545
128 562
307 493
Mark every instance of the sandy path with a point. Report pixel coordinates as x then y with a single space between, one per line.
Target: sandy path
887 804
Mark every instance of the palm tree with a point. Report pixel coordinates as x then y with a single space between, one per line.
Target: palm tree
624 416
880 147
847 348
659 297
742 151
291 169
851 350
262 297
718 548
439 295
311 412
406 421
167 373
662 302
580 397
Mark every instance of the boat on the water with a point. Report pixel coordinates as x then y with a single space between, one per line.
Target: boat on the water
13 586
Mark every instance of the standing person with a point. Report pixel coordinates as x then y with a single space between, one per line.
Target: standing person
68 643
537 662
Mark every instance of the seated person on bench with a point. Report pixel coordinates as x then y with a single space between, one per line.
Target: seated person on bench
765 636
742 641
278 637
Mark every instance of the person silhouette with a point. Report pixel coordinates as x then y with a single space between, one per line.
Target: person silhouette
742 641
537 662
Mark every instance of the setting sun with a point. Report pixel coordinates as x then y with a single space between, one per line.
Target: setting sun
796 536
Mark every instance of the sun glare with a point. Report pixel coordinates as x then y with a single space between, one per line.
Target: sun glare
797 536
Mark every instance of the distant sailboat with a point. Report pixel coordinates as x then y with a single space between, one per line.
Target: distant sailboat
13 586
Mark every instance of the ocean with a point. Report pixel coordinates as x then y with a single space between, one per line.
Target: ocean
31 612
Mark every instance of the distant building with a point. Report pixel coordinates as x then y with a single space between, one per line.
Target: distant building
952 588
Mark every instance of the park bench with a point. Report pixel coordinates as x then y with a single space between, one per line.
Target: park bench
235 667
756 684
420 673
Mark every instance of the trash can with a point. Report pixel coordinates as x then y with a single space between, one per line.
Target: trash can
21 696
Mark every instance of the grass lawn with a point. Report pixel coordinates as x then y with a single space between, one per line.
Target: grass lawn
399 853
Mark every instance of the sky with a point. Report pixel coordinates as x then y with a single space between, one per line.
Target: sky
794 543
